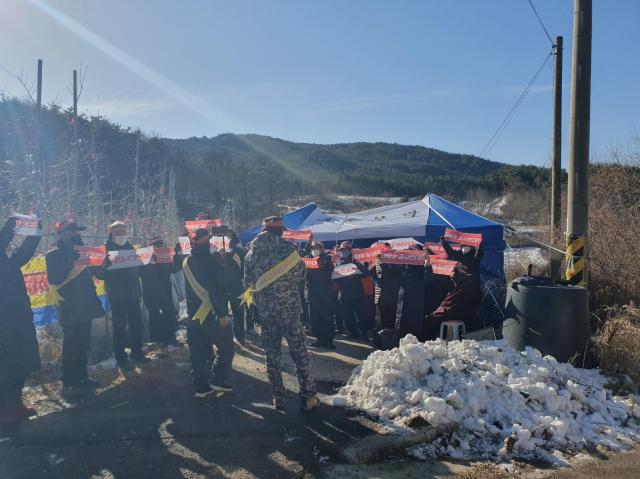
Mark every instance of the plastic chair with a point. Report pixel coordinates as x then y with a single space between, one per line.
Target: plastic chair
452 330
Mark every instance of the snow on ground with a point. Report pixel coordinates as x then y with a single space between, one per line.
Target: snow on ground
506 403
525 255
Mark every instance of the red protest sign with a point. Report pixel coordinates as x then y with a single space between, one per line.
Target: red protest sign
90 255
163 255
443 266
368 255
311 263
437 250
399 243
460 237
296 235
192 226
36 283
408 257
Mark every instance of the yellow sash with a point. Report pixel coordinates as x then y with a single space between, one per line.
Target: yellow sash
205 307
271 276
54 290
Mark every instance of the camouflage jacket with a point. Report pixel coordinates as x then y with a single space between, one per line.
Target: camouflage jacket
280 301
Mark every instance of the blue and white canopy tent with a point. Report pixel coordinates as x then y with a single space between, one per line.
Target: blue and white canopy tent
424 220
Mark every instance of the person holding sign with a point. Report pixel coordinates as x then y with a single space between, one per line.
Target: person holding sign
389 277
273 270
209 321
351 292
456 306
77 306
470 257
18 344
415 281
123 290
158 299
320 297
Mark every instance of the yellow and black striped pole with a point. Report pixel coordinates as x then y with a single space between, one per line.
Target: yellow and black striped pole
575 258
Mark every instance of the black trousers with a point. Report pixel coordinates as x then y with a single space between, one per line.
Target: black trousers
163 321
252 317
321 318
75 348
201 338
126 313
388 314
353 315
237 311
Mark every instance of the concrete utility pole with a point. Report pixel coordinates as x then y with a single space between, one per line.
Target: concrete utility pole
578 191
556 159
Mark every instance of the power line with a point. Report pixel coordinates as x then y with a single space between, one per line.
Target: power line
502 127
541 22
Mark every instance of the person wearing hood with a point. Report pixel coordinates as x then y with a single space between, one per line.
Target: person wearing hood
78 305
18 344
123 290
320 297
351 294
158 299
209 321
276 263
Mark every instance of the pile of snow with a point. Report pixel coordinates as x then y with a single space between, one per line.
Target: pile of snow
504 402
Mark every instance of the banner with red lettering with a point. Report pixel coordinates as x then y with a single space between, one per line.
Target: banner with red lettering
443 266
311 263
185 245
460 237
219 242
192 226
26 225
398 243
368 255
408 257
296 235
437 250
345 270
163 255
36 283
130 258
90 255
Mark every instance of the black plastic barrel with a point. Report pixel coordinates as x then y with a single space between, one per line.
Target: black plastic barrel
550 317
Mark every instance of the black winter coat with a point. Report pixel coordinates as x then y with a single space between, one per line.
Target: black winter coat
18 343
414 281
234 271
207 270
318 281
389 277
350 287
471 261
121 284
157 291
80 300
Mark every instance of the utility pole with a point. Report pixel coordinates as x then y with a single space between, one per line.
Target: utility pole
36 157
556 159
578 191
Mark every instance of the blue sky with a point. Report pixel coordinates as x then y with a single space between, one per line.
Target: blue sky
442 74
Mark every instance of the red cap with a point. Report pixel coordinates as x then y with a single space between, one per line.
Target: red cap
67 225
345 245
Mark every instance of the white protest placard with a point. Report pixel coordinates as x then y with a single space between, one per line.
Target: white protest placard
344 270
26 225
399 243
130 258
185 244
218 242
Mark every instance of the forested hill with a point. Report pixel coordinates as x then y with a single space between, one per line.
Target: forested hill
235 176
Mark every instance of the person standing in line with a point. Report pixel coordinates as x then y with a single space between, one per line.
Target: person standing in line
123 291
389 276
78 306
319 297
19 354
279 304
209 322
233 257
351 294
157 295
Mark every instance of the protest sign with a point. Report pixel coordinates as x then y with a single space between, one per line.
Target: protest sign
460 237
219 242
296 235
26 225
344 270
36 283
443 266
163 255
185 244
192 226
368 255
311 263
408 257
130 258
90 255
399 243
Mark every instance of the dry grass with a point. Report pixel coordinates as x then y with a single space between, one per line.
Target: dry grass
616 344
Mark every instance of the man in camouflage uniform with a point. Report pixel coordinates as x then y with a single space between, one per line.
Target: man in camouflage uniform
280 306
